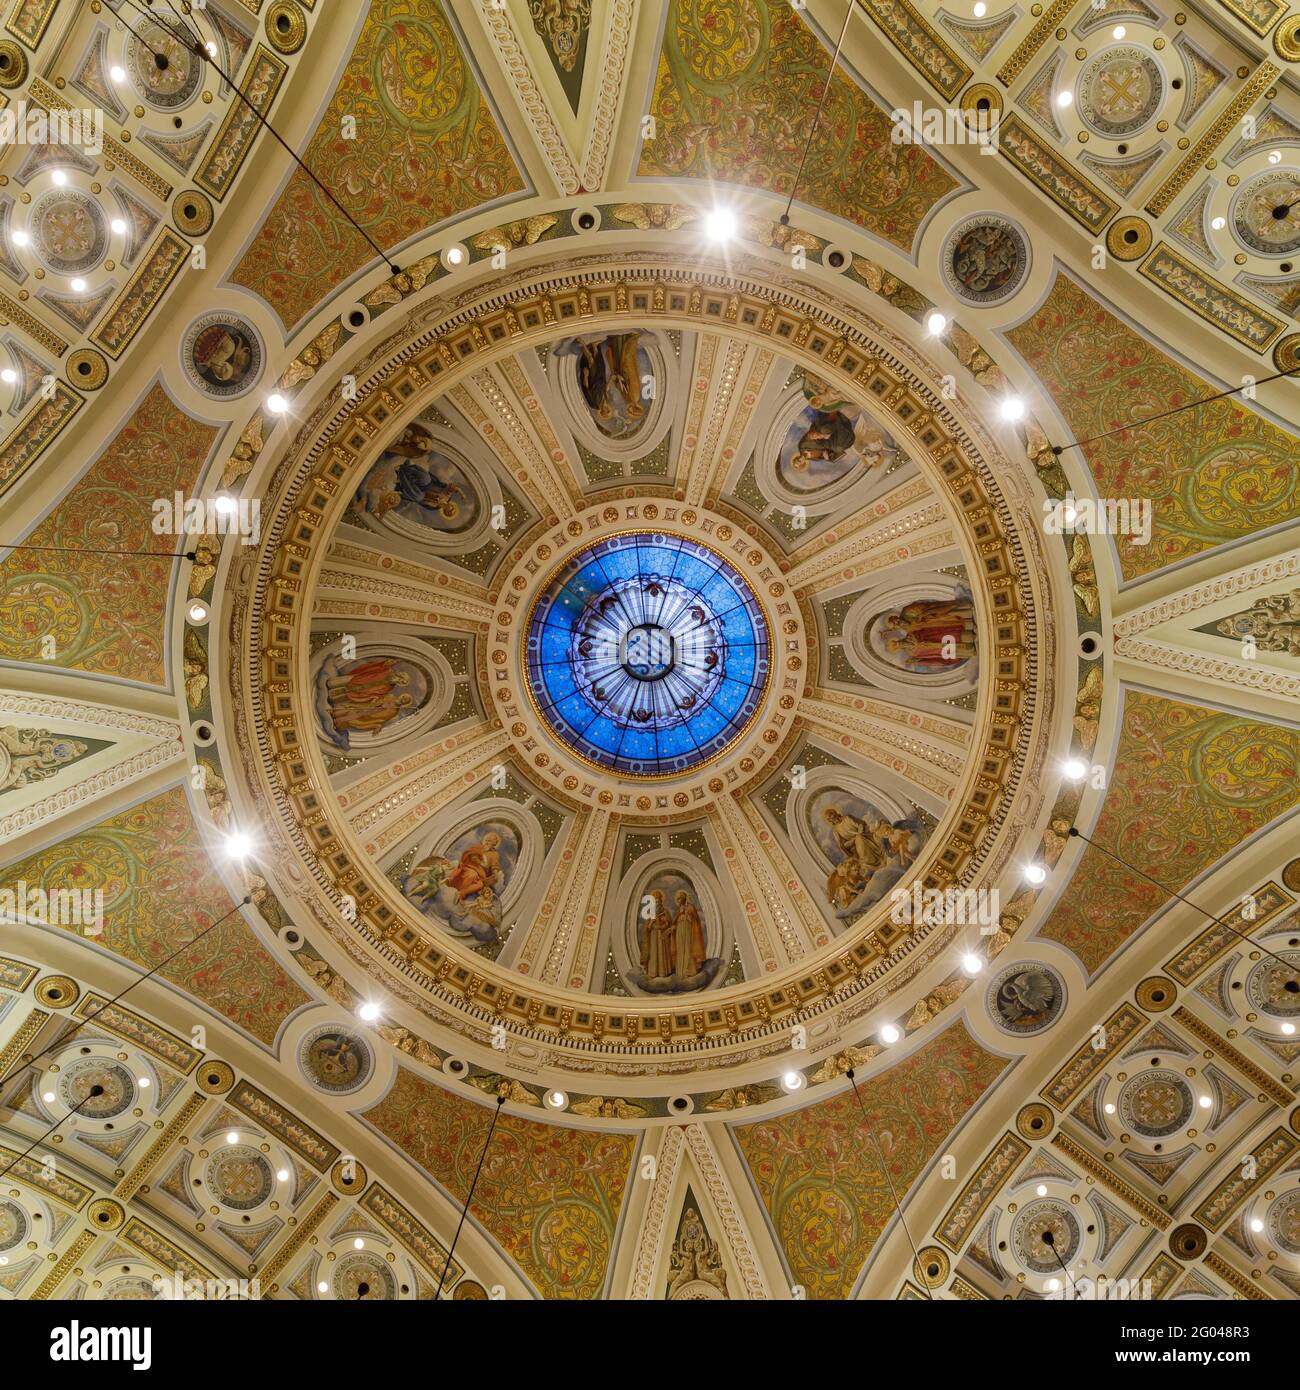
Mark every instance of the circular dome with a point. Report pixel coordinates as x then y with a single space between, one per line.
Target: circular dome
647 654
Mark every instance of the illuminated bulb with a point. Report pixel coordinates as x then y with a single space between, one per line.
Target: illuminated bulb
238 846
211 48
890 1034
1256 1224
232 1138
1035 873
1119 31
1075 769
1012 408
48 1097
980 9
118 225
1041 1189
720 225
1053 1285
20 238
358 1244
322 1287
282 1175
9 375
142 1082
1109 1107
936 323
197 612
1275 157
1219 223
454 255
78 284
1064 98
557 1100
1288 1028
369 1012
277 404
792 1080
1205 1102
59 177
225 505
971 963
117 74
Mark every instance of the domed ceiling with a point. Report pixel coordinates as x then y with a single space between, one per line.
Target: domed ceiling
548 668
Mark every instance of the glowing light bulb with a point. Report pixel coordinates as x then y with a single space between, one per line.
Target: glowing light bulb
232 1138
1275 157
358 1244
238 846
1053 1285
454 255
1035 873
282 1175
277 404
1041 1189
1256 1224
322 1287
9 375
720 224
118 225
197 612
369 1012
1064 99
118 74
59 177
225 505
48 1097
971 963
1205 1102
142 1082
936 323
1288 1028
1075 769
1119 31
20 238
890 1034
792 1080
1109 1107
981 9
78 284
557 1100
211 48
1011 408
1218 223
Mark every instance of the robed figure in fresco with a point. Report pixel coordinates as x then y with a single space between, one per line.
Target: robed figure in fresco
367 695
932 634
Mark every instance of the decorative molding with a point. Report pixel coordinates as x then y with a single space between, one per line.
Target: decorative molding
650 1242
612 73
1242 673
738 1241
1231 585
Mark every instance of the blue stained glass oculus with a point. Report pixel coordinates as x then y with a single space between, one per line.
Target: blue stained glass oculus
647 654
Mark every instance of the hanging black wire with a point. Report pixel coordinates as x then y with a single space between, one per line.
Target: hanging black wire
469 1196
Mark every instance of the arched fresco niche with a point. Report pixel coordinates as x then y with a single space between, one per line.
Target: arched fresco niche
856 840
614 388
921 634
669 936
385 692
424 490
821 445
468 876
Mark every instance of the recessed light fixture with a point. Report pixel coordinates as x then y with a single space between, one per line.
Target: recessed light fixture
557 1100
59 177
78 284
1275 157
1053 1285
792 1080
358 1244
971 963
117 74
142 1082
224 504
1119 31
1288 1028
369 1012
282 1175
455 255
1256 1224
1065 98
322 1287
1041 1189
1075 769
890 1034
232 1138
1205 1102
238 846
19 237
9 375
720 224
981 9
1011 408
936 323
276 404
1218 223
118 224
1035 873
1109 1107
211 48
48 1097
197 612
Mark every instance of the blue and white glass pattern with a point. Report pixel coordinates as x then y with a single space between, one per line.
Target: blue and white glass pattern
647 654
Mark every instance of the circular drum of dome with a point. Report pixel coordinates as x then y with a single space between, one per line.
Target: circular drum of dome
647 654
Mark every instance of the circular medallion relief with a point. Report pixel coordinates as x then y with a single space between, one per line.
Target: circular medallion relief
222 355
336 1059
1045 1235
364 1276
239 1177
1284 1221
647 654
14 1225
69 231
163 69
1266 985
79 1078
1120 91
1156 1103
1266 212
1025 998
985 259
